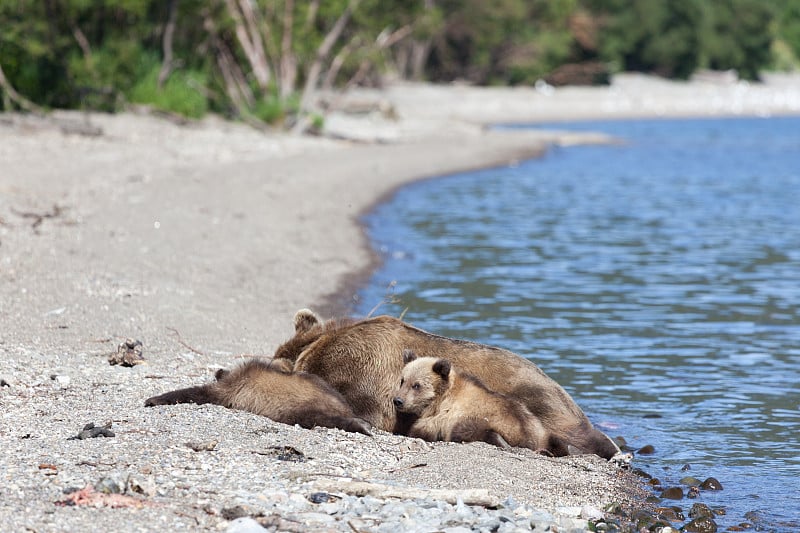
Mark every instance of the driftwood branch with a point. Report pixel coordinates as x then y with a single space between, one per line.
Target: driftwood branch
180 340
38 218
362 488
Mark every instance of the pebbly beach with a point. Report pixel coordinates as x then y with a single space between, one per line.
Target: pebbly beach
201 240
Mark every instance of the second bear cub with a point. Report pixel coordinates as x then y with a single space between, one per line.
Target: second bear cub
265 389
457 407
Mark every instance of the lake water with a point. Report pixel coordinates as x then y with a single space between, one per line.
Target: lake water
657 280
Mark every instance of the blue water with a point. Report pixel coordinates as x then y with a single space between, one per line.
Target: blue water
658 280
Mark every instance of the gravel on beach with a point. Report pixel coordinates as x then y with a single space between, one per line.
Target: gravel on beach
201 241
204 467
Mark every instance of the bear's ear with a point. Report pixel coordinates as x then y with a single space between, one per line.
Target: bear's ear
408 356
304 320
442 367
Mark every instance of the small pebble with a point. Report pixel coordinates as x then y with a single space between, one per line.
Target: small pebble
591 513
646 450
672 493
245 525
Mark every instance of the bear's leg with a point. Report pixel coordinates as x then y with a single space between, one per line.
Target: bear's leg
477 430
312 418
353 425
403 423
492 437
199 395
426 429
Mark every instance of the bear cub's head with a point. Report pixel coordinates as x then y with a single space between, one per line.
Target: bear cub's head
424 379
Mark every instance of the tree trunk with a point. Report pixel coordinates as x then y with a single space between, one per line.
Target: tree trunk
83 43
250 40
402 60
169 32
311 16
324 50
383 41
288 61
419 57
336 64
235 83
262 68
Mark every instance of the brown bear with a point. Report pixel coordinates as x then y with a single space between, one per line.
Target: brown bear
261 388
363 360
457 407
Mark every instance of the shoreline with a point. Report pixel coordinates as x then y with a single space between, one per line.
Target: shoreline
202 241
629 96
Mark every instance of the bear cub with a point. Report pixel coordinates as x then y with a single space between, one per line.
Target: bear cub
457 407
264 389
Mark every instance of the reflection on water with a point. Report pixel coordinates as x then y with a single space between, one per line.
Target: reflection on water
657 280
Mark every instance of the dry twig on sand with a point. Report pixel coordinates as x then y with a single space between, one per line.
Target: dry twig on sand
184 344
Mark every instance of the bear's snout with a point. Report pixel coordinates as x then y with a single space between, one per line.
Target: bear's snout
398 402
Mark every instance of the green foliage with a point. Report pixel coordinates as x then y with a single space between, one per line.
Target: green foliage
272 109
786 48
652 36
29 53
509 41
674 38
181 93
739 38
317 122
783 57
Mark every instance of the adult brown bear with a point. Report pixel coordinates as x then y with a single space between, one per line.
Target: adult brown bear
363 360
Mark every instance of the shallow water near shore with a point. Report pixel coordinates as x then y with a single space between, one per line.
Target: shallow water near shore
658 280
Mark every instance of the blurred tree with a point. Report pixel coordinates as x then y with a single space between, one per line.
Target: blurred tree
739 36
674 38
508 41
30 47
651 35
260 60
292 48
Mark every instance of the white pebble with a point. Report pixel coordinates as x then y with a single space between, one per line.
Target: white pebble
245 525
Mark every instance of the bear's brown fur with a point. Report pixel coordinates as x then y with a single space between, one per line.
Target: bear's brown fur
457 407
363 360
261 388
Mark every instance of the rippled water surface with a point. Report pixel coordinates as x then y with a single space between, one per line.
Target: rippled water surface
658 280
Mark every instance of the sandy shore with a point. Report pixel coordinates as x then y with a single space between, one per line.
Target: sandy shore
201 241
